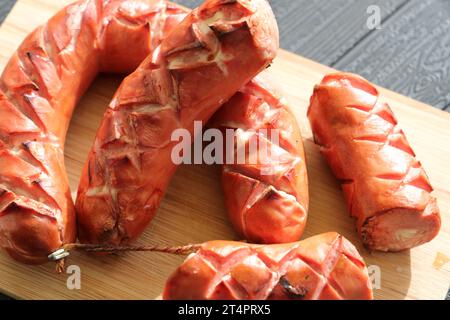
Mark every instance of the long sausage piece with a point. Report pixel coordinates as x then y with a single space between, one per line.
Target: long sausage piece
266 194
39 89
385 186
324 267
214 52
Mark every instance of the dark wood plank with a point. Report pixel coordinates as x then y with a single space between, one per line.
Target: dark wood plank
410 55
5 7
189 3
325 30
322 30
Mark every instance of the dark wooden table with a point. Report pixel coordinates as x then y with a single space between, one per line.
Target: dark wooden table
408 52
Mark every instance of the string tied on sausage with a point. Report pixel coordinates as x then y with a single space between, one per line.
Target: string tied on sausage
61 254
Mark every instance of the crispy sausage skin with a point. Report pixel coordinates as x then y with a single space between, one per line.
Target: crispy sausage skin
216 50
385 186
39 89
267 196
325 267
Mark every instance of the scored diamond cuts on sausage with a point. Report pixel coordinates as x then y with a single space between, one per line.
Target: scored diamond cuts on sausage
266 196
385 186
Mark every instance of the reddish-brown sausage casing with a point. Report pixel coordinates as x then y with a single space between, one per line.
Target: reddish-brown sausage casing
324 267
385 186
266 194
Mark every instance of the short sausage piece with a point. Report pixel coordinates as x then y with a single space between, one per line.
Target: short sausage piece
266 191
385 186
325 267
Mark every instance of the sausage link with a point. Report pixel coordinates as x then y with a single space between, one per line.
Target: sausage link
39 89
325 267
385 186
208 57
267 194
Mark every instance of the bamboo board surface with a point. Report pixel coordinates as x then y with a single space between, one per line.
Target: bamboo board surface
193 209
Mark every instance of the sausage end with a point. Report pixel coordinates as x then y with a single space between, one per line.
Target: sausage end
401 229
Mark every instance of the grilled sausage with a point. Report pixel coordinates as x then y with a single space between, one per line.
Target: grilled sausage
267 193
214 52
324 267
385 186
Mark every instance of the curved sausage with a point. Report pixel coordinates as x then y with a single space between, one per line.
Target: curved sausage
216 50
325 267
39 88
267 196
385 186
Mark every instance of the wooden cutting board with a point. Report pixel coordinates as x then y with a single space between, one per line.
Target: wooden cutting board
193 210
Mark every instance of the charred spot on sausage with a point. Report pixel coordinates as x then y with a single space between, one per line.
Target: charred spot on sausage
293 292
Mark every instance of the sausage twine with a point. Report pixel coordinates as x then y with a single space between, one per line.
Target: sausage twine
60 255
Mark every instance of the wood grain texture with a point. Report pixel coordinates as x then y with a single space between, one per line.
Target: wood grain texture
325 30
193 210
411 54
